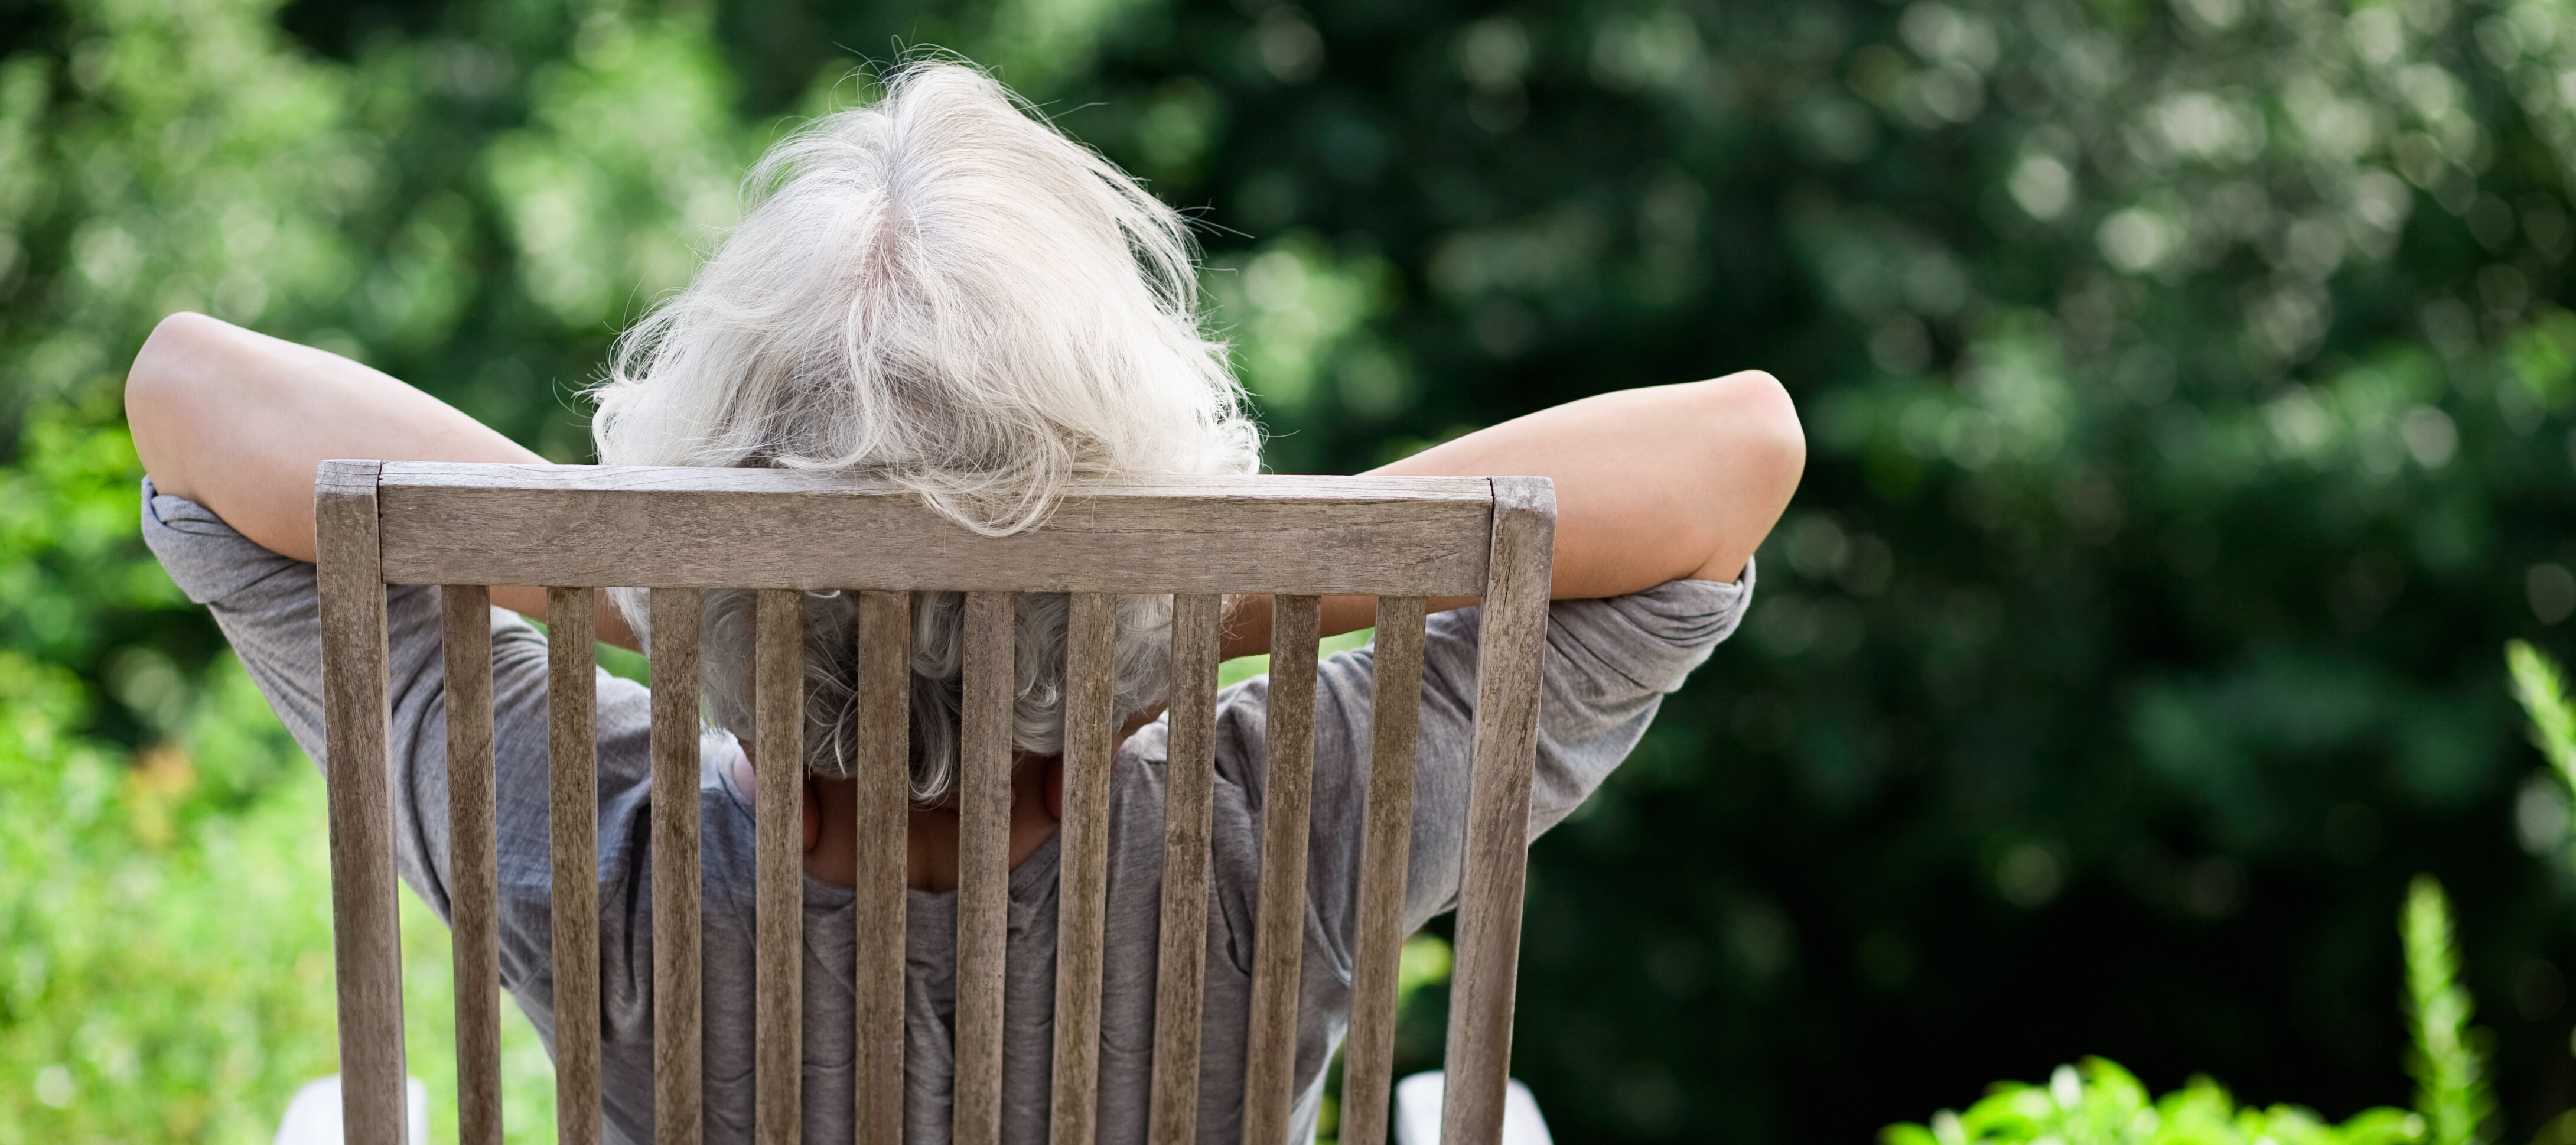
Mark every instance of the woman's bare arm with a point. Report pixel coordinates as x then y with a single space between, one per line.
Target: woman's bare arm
238 421
1652 484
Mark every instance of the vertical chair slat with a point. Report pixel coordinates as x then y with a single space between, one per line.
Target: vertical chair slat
778 981
366 929
572 747
678 1098
1287 791
884 775
1510 658
1082 889
1181 969
1386 843
983 865
473 885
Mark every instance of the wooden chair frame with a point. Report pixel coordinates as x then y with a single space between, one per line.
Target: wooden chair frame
578 529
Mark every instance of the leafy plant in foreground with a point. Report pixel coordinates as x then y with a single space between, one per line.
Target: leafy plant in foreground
2540 687
2100 1103
2450 1074
2541 813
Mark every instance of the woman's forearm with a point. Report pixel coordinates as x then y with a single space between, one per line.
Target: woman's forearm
1652 484
238 422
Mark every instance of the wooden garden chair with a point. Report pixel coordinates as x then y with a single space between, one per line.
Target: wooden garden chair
681 531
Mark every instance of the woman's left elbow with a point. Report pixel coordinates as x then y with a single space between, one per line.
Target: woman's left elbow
1758 421
1757 452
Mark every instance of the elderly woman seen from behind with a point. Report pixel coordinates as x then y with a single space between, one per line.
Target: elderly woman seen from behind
942 290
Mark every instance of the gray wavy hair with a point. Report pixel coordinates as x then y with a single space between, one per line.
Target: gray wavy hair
942 290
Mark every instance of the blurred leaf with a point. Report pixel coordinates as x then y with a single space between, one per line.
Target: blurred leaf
2450 1073
2540 688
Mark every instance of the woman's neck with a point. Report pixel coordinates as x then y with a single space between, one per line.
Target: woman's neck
831 824
932 832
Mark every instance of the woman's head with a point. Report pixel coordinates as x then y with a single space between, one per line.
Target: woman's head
942 290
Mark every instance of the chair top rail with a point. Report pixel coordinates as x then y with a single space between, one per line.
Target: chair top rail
603 526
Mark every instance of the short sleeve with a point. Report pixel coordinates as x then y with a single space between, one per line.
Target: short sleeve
265 602
1609 664
206 558
269 607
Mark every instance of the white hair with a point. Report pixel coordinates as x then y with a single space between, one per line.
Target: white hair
942 290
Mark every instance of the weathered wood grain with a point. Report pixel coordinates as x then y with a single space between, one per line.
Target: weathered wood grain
884 774
1509 663
983 865
1278 945
678 1095
366 929
1386 843
778 844
474 877
572 745
580 528
767 528
1090 719
1181 968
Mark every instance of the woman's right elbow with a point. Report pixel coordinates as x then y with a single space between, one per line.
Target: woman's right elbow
163 389
171 358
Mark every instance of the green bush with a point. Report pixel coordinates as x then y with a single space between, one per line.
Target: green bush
165 973
2101 1103
133 1002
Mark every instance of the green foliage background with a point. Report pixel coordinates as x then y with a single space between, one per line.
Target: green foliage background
2188 385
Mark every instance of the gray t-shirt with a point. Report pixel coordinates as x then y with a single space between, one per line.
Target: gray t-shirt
1609 664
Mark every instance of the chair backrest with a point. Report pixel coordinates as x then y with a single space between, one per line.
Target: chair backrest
578 529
